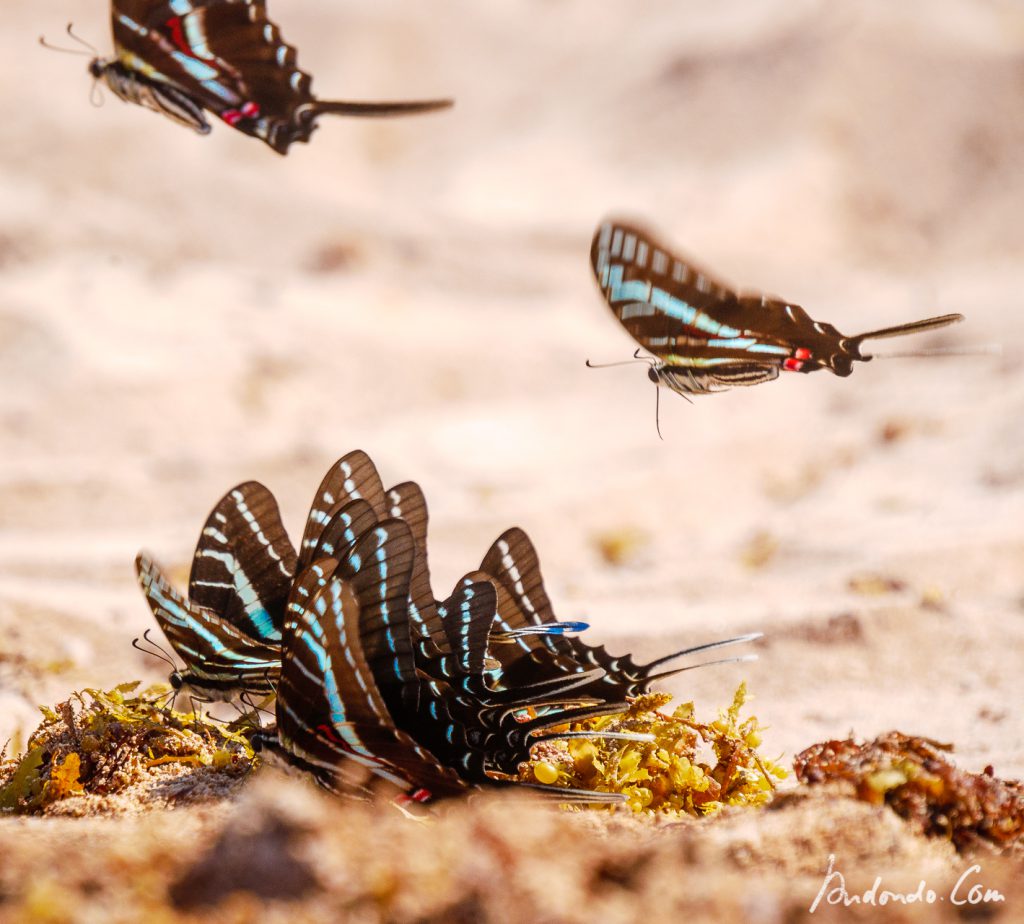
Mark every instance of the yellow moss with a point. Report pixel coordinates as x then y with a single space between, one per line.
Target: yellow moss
104 740
24 783
64 779
671 775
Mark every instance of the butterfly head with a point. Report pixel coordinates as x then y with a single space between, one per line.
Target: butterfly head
96 68
176 680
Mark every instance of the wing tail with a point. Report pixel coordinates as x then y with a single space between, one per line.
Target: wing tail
913 327
378 109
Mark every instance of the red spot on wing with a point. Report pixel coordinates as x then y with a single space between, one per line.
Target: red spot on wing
802 353
249 110
421 795
331 736
177 32
792 365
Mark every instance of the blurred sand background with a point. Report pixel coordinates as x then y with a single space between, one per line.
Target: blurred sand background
178 314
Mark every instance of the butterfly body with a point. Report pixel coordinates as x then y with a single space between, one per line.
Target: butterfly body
185 58
705 337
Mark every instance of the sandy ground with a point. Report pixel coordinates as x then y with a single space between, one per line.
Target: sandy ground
178 314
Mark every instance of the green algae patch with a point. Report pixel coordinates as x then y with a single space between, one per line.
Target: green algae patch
100 743
690 768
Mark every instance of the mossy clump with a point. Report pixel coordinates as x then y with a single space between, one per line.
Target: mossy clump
916 778
103 742
690 768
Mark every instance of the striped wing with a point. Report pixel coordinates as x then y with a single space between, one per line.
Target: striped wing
513 563
343 529
352 477
708 336
467 616
406 502
244 563
330 706
379 568
215 650
226 55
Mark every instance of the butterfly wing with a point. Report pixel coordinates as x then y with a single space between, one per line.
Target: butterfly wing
215 650
708 336
229 58
344 527
406 502
330 706
225 55
352 477
244 562
467 616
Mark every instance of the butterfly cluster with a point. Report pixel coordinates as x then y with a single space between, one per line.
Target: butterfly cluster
374 677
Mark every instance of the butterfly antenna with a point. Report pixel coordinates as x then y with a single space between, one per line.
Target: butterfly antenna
70 51
81 41
621 362
154 651
650 360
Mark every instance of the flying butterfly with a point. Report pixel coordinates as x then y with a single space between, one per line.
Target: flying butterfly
703 336
184 58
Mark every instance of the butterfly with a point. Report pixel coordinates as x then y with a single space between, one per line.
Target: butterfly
221 660
228 629
514 565
705 337
184 58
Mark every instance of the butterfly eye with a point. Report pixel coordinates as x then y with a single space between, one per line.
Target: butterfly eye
176 681
96 68
652 374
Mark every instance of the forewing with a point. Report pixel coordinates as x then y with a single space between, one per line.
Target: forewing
329 705
406 502
467 616
352 477
692 321
244 562
224 54
211 647
656 295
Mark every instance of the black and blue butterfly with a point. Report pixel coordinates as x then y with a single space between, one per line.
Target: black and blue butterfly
228 629
703 336
184 58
